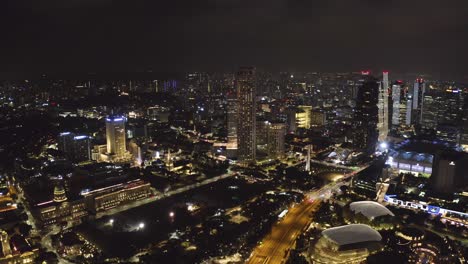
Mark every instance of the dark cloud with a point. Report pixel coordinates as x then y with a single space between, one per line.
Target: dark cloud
177 35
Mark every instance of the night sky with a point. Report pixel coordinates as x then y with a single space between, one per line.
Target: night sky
408 36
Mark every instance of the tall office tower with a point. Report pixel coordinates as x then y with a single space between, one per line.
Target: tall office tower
366 115
115 136
76 147
442 108
81 148
232 114
65 142
246 145
276 133
449 172
419 89
409 110
261 130
432 101
396 95
382 126
451 110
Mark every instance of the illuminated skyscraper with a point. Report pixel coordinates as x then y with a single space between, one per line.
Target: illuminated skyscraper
419 89
115 135
382 126
232 114
396 94
366 115
245 82
276 133
76 147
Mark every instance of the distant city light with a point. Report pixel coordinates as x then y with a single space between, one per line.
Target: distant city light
171 214
190 207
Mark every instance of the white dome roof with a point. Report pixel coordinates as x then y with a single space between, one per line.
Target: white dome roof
370 209
350 234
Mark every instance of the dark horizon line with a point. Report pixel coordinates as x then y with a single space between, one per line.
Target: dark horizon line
177 75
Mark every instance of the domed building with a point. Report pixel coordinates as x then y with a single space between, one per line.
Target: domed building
59 194
371 213
370 209
346 244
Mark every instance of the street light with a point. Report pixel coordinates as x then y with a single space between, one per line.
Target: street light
171 214
141 225
111 221
384 145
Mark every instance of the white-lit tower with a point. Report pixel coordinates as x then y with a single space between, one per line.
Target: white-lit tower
383 108
115 136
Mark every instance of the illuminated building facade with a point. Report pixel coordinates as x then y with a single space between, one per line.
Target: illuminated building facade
382 126
276 133
16 249
396 94
232 119
418 92
115 136
61 209
76 147
411 162
346 244
246 127
113 196
366 116
318 119
303 116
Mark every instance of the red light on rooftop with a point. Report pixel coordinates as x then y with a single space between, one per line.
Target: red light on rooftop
385 72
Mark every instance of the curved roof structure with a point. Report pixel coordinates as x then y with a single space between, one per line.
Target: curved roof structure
370 209
351 234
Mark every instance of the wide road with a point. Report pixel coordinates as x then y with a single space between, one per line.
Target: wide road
276 245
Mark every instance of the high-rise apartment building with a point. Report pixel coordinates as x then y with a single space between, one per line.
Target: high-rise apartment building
115 136
246 137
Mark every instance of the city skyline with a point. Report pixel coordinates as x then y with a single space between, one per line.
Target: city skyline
233 131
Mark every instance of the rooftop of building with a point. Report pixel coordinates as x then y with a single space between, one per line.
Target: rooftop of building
412 156
370 209
426 146
351 234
